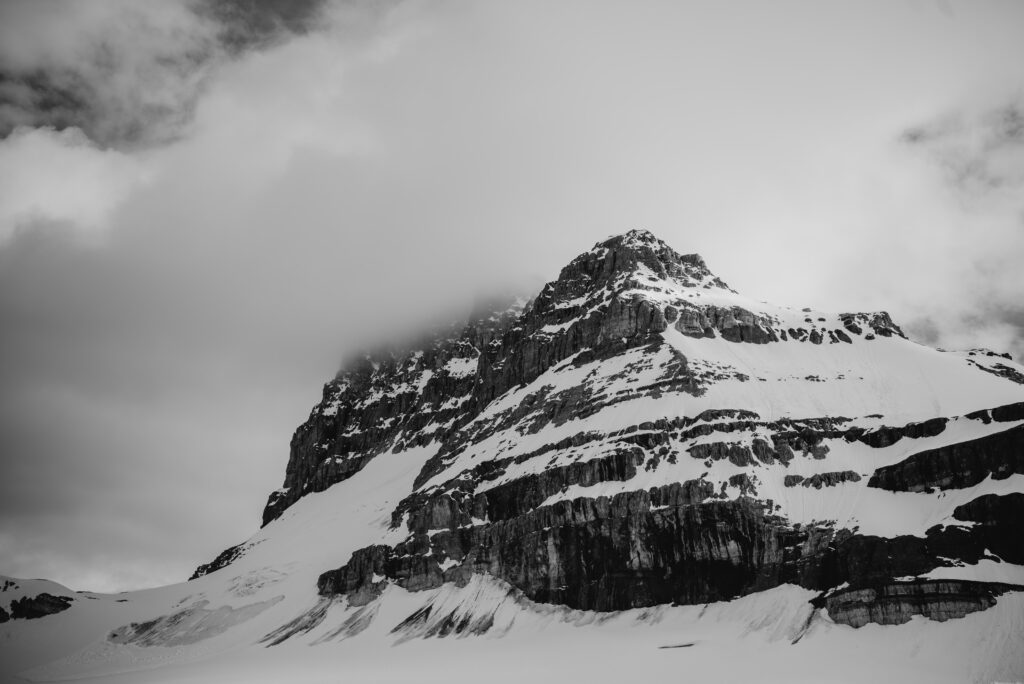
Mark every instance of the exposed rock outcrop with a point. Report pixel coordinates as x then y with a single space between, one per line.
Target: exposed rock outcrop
734 324
672 544
1000 527
879 323
956 466
897 602
223 559
819 480
30 608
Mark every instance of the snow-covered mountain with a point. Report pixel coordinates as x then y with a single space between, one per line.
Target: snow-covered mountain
638 459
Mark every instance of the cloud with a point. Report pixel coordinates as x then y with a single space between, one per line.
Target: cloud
93 96
128 72
62 177
971 178
979 152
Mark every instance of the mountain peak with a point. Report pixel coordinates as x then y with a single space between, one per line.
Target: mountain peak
639 236
621 259
640 240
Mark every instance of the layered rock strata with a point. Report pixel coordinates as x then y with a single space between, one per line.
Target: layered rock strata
640 433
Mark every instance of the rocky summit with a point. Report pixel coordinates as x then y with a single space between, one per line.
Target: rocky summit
639 458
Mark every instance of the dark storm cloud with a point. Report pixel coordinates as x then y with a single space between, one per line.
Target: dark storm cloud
134 71
244 24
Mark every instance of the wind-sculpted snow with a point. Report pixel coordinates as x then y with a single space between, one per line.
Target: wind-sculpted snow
774 636
190 625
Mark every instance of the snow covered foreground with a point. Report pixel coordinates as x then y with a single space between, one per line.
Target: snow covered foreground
222 620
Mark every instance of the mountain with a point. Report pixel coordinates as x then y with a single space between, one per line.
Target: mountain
638 459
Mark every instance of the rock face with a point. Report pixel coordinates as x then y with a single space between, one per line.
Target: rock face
30 608
956 466
896 603
408 397
999 524
223 559
642 434
819 480
680 543
32 599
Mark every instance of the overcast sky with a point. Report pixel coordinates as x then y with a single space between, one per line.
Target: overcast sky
205 205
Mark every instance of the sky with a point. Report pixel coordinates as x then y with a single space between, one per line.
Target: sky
205 205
